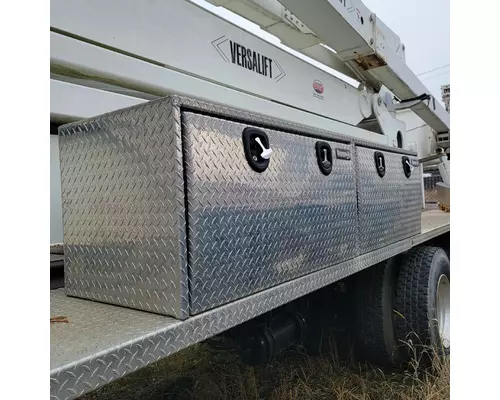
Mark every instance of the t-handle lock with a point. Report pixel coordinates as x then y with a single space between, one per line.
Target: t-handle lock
266 153
325 160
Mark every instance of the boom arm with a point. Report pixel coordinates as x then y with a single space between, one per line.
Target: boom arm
365 48
177 35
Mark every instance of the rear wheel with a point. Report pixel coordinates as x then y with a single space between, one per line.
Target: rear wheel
422 303
376 339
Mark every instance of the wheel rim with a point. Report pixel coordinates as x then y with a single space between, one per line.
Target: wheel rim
443 309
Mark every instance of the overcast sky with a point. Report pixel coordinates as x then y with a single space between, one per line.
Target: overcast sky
422 25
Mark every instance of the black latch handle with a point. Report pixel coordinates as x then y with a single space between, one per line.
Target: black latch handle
324 156
379 163
257 149
407 167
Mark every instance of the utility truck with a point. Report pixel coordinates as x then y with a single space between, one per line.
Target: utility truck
206 181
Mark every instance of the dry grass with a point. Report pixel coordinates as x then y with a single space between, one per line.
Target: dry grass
201 372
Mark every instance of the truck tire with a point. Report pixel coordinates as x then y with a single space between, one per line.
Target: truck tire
376 339
422 304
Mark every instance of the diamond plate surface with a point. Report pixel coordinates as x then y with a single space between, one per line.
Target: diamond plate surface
123 209
154 341
248 231
101 342
389 208
124 213
276 123
94 327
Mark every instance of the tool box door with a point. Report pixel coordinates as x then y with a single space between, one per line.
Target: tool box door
251 227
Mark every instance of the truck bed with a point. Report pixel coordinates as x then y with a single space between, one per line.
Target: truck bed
94 343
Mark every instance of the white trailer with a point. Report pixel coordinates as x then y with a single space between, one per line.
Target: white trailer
209 177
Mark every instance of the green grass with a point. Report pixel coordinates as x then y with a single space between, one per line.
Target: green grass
200 372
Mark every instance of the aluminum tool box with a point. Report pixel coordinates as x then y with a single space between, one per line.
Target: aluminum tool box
389 201
169 207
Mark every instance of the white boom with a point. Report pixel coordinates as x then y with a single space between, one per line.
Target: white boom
178 35
366 49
